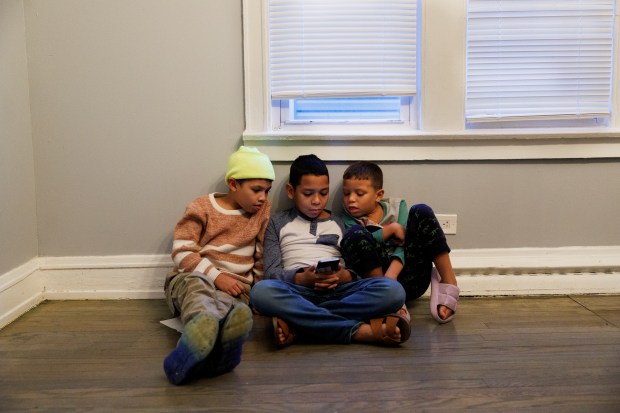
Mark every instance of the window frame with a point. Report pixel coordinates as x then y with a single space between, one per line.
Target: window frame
439 108
281 119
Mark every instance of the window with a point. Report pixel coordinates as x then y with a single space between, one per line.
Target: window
379 109
431 118
342 61
539 60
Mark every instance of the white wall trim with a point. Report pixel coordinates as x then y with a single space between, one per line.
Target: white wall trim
104 283
517 260
108 261
538 283
20 290
105 277
481 272
439 146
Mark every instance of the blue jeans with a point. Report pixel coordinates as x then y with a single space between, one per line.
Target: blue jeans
332 316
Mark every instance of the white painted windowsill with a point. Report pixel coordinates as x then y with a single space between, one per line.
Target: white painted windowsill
439 146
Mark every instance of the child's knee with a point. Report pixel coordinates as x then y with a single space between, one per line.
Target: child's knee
355 232
261 290
422 211
357 237
394 292
262 294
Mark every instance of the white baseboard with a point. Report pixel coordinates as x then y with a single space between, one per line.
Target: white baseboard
105 278
510 260
538 271
20 290
481 272
104 283
539 284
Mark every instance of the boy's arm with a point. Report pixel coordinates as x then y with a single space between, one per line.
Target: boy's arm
273 256
403 213
398 230
382 233
403 217
396 266
185 246
259 269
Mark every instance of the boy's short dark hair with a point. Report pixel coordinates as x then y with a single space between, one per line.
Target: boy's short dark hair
365 170
306 165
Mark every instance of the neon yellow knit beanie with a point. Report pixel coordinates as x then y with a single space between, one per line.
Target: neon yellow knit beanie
249 163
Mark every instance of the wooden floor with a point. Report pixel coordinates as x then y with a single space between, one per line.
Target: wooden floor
559 354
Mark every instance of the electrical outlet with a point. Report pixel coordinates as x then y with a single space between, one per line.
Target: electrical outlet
448 223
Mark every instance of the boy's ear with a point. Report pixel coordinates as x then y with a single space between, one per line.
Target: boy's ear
232 184
380 194
290 191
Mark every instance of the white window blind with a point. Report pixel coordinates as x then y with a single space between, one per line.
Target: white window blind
342 48
538 58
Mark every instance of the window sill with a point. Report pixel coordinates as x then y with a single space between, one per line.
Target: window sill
439 146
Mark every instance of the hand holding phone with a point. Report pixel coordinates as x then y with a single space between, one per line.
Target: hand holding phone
326 265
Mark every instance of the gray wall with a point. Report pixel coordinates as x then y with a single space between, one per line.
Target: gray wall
516 204
18 236
137 104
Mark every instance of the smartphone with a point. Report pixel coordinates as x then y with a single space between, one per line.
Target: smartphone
329 264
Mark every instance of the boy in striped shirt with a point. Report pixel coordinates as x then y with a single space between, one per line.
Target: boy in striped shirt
217 252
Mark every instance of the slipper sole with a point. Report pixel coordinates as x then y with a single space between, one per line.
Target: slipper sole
237 324
197 341
234 332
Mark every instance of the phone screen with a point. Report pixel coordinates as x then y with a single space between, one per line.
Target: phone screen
327 265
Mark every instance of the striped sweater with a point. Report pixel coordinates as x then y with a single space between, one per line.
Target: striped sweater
211 239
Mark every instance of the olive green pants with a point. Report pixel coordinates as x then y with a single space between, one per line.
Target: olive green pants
189 294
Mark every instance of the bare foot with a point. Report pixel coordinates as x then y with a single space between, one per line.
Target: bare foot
444 267
283 334
444 312
280 337
365 335
404 312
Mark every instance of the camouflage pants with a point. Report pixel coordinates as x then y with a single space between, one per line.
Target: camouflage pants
424 241
189 294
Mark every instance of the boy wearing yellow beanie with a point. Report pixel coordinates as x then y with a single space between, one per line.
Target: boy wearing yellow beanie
217 252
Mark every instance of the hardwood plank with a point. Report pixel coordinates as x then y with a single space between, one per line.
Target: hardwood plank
524 354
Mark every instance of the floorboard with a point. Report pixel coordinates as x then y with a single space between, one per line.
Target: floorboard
531 354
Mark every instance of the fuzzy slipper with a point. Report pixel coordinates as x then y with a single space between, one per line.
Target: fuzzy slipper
234 332
443 294
289 335
391 321
197 341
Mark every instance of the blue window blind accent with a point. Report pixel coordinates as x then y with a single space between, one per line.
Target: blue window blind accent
344 109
